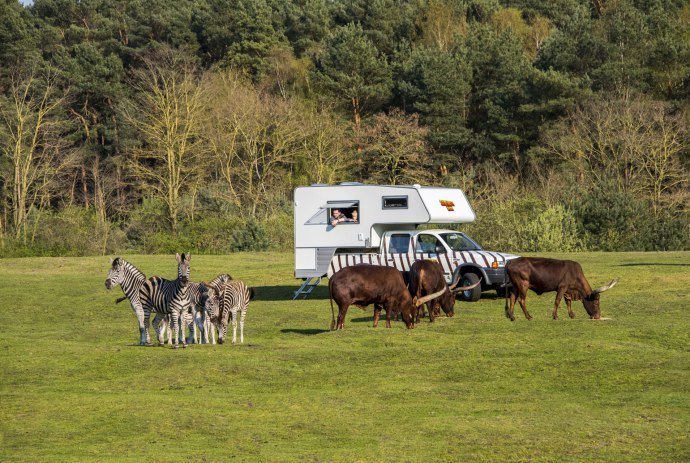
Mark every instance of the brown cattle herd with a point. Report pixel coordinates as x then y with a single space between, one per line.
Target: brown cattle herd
388 289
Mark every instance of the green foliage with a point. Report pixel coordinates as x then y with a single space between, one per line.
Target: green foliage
353 71
553 230
251 236
72 231
437 85
497 84
238 34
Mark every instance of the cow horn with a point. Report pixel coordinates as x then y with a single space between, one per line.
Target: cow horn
606 287
427 298
455 282
465 288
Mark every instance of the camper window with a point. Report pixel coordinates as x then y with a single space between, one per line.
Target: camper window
395 202
349 210
399 244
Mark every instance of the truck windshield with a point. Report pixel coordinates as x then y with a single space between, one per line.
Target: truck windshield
460 242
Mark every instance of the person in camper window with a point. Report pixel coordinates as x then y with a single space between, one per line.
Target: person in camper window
337 217
355 216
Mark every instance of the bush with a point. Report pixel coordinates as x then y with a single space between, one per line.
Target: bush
73 231
554 230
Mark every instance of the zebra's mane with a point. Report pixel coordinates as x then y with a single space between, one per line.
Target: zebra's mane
131 268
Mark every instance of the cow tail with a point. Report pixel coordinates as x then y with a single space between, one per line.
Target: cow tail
330 298
505 287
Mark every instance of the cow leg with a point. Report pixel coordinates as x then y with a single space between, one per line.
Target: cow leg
432 311
568 303
342 310
522 299
377 315
559 295
510 305
388 317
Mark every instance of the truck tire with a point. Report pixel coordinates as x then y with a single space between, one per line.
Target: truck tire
471 295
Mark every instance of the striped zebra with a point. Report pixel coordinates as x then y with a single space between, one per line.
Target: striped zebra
130 280
234 297
167 297
195 317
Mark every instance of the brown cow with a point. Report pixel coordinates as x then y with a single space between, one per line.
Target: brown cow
543 275
362 285
426 277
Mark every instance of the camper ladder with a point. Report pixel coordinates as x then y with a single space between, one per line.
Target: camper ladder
307 287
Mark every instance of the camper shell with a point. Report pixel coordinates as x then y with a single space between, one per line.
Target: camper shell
384 230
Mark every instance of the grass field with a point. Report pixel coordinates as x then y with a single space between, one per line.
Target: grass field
76 387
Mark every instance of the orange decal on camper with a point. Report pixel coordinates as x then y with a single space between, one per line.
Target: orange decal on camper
450 205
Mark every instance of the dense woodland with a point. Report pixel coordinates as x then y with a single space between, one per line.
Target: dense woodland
158 126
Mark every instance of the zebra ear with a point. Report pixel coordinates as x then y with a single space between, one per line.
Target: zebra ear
177 256
189 257
111 260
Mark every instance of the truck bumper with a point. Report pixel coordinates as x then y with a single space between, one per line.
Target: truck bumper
494 276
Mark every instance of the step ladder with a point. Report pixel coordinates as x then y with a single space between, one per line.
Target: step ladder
307 287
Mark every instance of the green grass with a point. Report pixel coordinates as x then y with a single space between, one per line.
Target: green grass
476 387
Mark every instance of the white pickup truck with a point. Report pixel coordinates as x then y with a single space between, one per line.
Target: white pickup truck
455 251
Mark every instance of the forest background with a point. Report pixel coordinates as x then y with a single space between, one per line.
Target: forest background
158 126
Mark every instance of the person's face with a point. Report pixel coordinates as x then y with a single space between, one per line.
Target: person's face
354 215
336 213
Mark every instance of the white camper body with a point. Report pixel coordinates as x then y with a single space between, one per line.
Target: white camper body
380 209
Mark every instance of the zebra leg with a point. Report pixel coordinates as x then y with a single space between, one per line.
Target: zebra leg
175 320
203 329
244 313
147 316
139 313
157 328
234 326
210 329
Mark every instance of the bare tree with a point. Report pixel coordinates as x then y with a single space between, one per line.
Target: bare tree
394 150
254 139
167 114
634 141
32 141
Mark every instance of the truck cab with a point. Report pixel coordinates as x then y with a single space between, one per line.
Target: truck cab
455 251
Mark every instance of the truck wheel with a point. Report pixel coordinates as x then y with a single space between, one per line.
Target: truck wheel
471 295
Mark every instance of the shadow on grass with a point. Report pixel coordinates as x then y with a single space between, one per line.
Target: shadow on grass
649 264
286 293
305 331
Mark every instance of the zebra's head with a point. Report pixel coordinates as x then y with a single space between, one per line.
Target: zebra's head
211 304
115 274
183 267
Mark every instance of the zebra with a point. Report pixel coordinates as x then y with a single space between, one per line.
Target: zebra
167 297
234 297
195 317
130 279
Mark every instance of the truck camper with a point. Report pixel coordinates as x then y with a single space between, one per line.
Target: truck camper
352 223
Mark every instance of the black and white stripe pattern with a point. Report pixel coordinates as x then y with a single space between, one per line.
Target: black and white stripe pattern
130 279
404 261
197 318
167 297
234 297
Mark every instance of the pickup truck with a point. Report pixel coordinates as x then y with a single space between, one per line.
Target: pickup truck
455 251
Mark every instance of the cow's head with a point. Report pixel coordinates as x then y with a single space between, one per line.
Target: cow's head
447 299
591 302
